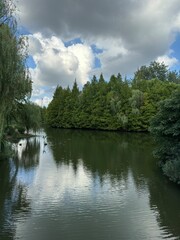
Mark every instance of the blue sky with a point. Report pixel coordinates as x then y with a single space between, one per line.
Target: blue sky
71 40
176 52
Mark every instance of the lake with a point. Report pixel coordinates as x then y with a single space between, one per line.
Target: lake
85 185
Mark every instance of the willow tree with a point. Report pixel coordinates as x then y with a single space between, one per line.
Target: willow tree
15 83
30 116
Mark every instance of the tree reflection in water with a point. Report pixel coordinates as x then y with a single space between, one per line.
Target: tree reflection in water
28 153
13 195
116 155
105 157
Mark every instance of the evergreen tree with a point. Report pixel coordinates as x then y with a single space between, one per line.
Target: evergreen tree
74 101
54 108
113 105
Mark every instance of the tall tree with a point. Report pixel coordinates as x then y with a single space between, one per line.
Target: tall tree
155 70
54 108
75 112
15 84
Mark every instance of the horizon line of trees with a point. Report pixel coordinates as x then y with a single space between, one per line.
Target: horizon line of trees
115 105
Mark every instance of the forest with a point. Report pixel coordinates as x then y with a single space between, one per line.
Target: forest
117 104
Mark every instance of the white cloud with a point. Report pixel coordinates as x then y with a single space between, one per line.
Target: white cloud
36 92
132 32
168 61
57 64
114 57
176 22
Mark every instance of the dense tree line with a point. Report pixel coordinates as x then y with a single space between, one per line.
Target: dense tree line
114 105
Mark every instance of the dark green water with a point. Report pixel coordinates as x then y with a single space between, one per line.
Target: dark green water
86 185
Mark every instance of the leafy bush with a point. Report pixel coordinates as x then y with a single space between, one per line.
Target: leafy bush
165 127
172 170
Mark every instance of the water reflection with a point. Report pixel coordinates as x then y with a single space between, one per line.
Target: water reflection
116 155
28 152
165 197
86 185
104 152
14 203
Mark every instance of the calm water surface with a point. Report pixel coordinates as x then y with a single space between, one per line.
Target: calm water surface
86 185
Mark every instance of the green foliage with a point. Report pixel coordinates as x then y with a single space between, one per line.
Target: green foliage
165 126
172 170
150 93
30 116
113 105
21 129
15 84
156 71
10 131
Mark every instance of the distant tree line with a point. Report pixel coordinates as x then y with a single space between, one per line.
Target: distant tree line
114 105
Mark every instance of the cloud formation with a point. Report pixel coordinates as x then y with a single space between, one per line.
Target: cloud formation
57 64
127 18
131 33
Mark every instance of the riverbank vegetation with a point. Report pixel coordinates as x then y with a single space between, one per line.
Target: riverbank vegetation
114 105
165 126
